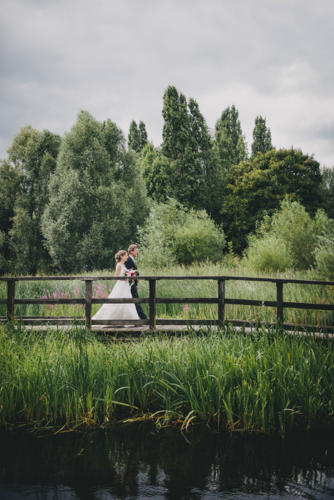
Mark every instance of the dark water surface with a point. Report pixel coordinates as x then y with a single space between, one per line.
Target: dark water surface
140 462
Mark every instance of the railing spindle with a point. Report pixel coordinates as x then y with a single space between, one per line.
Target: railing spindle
88 303
11 300
221 303
153 319
279 291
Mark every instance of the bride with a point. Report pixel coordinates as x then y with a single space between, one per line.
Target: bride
121 290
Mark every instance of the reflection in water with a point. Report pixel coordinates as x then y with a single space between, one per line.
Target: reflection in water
139 462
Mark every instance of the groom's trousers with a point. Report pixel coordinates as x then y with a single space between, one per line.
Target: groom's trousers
134 293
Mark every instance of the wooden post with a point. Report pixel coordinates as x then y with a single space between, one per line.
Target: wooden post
279 290
221 302
88 303
10 299
153 320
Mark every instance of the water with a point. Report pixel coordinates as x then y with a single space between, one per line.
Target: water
138 462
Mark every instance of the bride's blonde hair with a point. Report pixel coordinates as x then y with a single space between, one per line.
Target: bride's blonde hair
119 255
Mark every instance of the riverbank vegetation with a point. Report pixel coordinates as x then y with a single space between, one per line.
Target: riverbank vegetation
226 380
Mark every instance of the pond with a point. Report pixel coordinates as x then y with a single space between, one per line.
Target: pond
139 462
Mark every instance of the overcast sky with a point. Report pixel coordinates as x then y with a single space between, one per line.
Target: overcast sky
115 59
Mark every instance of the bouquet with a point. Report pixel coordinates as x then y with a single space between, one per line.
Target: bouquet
132 273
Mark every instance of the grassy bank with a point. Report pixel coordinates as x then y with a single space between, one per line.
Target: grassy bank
236 289
226 380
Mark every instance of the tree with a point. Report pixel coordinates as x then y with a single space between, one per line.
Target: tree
137 137
327 190
9 188
229 140
142 135
256 187
97 197
30 164
192 174
133 137
261 137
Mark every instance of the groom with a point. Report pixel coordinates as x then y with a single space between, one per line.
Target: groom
130 263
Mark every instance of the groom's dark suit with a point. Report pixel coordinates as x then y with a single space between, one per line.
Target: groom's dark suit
131 264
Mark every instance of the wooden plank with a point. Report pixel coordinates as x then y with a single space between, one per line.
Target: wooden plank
306 305
121 301
152 285
11 300
50 301
221 301
120 322
88 303
164 321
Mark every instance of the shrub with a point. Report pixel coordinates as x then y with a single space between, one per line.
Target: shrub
290 238
174 234
268 253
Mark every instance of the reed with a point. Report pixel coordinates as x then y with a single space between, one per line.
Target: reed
227 380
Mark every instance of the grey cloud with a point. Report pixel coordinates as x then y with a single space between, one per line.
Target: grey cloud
116 59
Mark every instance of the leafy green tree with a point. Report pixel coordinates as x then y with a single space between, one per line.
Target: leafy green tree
192 176
97 197
156 169
261 137
142 134
9 189
257 187
327 190
28 168
229 141
176 129
137 137
172 233
134 137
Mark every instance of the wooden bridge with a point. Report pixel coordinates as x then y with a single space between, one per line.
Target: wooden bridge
153 323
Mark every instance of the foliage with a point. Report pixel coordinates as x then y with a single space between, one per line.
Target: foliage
229 140
174 233
268 254
188 165
327 191
288 239
97 197
137 137
257 187
261 137
25 175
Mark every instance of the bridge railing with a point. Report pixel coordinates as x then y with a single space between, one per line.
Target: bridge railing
221 300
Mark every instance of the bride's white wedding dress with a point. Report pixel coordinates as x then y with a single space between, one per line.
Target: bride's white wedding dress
121 290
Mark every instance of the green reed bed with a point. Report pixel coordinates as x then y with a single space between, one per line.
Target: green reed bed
229 381
184 288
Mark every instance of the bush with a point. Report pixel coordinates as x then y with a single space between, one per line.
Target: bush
268 254
173 234
291 238
324 258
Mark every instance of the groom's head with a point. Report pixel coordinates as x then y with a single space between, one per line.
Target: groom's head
133 250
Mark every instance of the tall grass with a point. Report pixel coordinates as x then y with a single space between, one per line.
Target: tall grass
267 383
192 288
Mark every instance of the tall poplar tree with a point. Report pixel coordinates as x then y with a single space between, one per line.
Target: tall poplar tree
261 137
142 135
134 137
229 140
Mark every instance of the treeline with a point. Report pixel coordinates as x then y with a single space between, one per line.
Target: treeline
68 204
